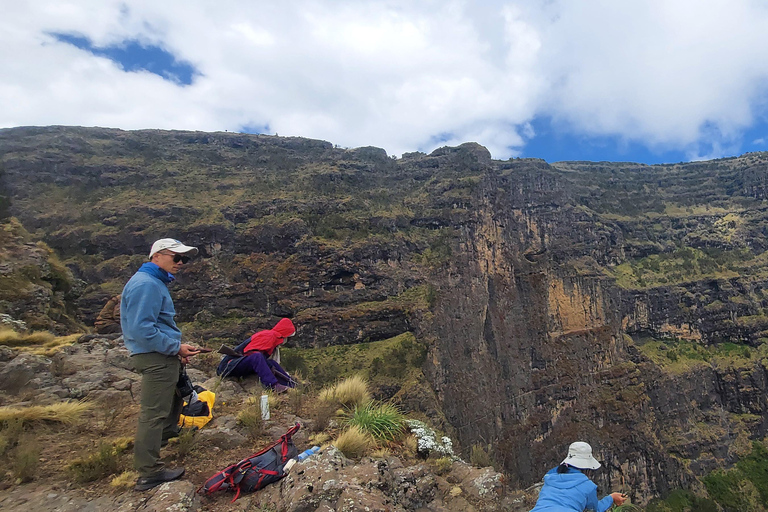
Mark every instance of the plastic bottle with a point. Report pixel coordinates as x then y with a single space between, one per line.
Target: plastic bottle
306 453
264 407
300 457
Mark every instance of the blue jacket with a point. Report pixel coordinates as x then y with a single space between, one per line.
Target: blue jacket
571 491
146 313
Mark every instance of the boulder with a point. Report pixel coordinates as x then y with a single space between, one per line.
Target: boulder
178 496
221 437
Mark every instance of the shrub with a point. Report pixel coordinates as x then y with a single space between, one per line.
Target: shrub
293 362
100 464
384 422
354 443
250 418
185 443
321 415
349 392
25 460
297 397
10 434
480 456
441 465
628 507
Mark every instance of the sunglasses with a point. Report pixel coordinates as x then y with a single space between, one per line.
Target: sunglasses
179 258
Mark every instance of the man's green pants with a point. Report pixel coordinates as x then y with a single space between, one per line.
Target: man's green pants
160 409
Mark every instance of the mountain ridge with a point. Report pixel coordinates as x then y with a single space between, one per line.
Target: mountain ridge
540 284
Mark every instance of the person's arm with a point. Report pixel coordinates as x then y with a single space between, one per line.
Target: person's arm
592 503
143 310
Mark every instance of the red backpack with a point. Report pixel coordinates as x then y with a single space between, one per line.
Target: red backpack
253 473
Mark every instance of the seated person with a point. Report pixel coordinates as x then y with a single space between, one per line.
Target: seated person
108 321
257 358
568 487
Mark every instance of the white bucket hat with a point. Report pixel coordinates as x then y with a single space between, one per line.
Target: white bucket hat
169 244
580 456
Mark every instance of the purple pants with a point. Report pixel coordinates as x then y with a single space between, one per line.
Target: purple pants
268 370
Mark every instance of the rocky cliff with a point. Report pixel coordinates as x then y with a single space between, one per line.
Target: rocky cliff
617 303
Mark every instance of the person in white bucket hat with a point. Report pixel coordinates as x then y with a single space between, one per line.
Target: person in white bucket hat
567 488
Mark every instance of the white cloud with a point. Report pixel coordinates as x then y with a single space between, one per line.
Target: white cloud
402 75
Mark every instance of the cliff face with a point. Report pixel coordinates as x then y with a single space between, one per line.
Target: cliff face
615 303
534 349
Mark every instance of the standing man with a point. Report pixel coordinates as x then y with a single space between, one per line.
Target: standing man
154 341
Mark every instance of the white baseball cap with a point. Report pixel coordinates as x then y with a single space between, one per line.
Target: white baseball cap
580 456
171 245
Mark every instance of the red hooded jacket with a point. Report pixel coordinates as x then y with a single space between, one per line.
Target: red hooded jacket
267 341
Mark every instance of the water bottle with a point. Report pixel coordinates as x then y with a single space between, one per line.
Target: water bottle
306 453
300 457
264 407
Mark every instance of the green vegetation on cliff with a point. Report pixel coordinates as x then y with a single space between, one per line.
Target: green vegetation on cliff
743 487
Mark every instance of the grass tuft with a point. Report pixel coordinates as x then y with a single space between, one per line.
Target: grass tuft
349 392
11 338
354 443
383 421
441 465
185 443
481 456
10 433
250 418
410 446
100 464
64 412
25 461
124 480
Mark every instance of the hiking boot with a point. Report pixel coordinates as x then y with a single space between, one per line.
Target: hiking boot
279 388
146 483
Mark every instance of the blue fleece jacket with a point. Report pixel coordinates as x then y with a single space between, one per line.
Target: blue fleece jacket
146 313
571 491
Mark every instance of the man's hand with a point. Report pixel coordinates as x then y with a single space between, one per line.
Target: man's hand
186 351
618 498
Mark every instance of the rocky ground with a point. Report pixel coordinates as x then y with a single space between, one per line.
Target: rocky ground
98 370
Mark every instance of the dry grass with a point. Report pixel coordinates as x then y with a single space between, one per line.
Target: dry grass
481 456
125 480
441 465
49 348
185 443
100 464
25 460
354 443
11 338
350 392
321 414
381 453
319 438
410 446
10 433
250 418
64 412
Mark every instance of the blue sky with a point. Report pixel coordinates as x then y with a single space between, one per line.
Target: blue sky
639 80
